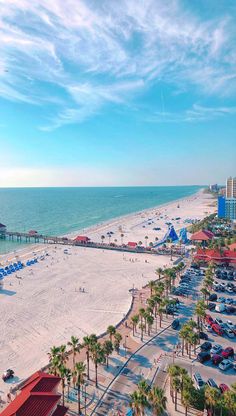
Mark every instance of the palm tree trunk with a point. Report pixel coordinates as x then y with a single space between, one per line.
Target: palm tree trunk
79 407
176 400
63 392
87 355
96 374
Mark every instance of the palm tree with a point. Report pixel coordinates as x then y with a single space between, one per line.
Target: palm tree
121 237
111 330
143 387
141 314
229 402
138 402
75 347
134 320
159 271
62 354
160 312
183 334
151 286
212 396
146 238
54 351
88 342
186 400
117 341
98 357
68 380
108 349
173 371
200 312
158 400
150 321
205 293
54 366
140 243
63 374
176 384
142 327
80 375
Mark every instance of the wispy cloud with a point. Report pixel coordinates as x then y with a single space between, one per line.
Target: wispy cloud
93 53
194 114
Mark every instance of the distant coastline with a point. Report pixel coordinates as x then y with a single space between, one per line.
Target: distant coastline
71 229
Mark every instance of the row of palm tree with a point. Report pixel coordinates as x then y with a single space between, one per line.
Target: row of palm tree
157 305
189 337
209 397
146 397
96 351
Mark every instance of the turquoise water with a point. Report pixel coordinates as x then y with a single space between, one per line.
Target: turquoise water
58 211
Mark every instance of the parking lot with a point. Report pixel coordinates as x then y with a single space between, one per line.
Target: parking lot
226 321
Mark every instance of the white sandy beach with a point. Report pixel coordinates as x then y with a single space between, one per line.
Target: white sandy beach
45 307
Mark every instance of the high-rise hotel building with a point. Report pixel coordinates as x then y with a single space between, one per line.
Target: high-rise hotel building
227 203
231 188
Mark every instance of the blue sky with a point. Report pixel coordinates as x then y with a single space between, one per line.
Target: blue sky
128 92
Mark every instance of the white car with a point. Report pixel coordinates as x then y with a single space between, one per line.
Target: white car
225 365
229 333
219 321
208 327
216 349
230 324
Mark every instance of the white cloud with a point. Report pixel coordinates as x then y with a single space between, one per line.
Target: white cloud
193 114
92 53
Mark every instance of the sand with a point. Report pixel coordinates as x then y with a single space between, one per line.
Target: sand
81 292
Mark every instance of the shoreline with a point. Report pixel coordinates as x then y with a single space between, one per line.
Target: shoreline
105 223
46 305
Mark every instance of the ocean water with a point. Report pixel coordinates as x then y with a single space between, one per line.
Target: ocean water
57 211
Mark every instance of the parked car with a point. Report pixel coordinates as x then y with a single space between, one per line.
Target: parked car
198 381
175 324
216 349
216 359
8 374
203 335
219 321
225 365
230 309
209 319
203 356
212 297
206 346
220 308
212 383
211 306
207 327
221 299
227 352
230 324
229 333
217 329
223 387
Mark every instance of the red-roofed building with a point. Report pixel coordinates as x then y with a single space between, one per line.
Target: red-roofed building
132 244
202 235
208 255
81 239
38 397
232 247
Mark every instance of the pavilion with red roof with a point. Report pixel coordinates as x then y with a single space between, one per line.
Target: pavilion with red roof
202 235
132 244
81 239
232 247
215 256
38 397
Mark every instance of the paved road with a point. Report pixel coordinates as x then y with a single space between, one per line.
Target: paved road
142 365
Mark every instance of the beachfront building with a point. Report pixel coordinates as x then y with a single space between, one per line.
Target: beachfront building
202 236
231 187
132 244
38 397
81 239
3 230
227 208
227 257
